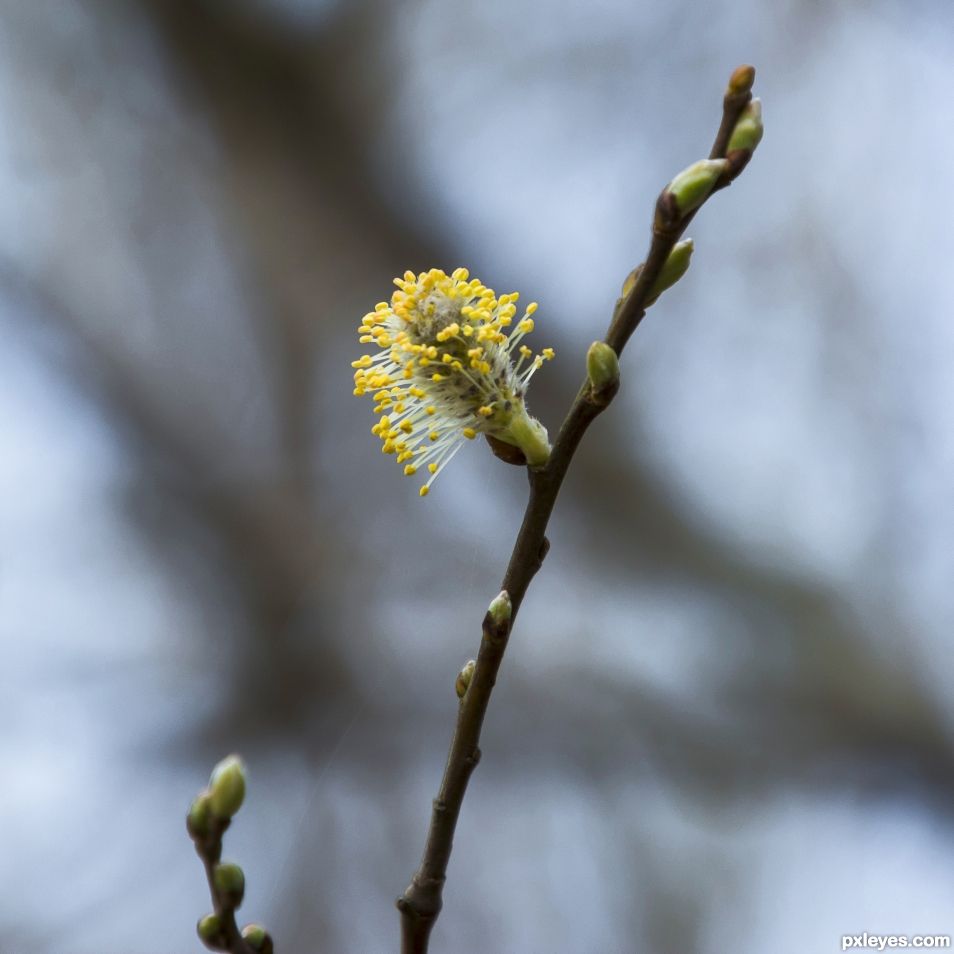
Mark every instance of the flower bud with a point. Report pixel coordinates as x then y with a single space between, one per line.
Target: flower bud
602 366
677 264
741 80
200 815
464 677
692 186
229 881
631 280
748 130
500 609
227 787
210 931
257 938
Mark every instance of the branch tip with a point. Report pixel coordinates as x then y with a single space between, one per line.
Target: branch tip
227 787
741 81
209 817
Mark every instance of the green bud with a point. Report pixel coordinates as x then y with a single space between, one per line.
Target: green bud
748 130
602 366
257 938
692 186
227 787
200 815
209 930
229 881
742 79
464 677
631 280
500 609
676 266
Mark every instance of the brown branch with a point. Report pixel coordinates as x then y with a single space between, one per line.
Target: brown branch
422 900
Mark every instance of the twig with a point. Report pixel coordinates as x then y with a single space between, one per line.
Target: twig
421 902
208 846
209 817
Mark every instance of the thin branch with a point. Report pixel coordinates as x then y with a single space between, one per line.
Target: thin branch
421 902
208 846
209 818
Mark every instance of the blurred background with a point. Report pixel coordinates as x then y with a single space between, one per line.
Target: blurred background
725 721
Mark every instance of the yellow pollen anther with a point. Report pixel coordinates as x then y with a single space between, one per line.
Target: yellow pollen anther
449 340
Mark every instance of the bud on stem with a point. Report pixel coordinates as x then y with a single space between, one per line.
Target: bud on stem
500 609
602 367
200 815
676 266
257 938
741 80
210 931
464 677
692 186
229 881
227 787
748 130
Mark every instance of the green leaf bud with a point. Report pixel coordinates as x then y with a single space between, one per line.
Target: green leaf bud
210 931
257 938
602 366
748 130
227 787
200 815
229 881
675 267
692 186
500 609
631 280
464 678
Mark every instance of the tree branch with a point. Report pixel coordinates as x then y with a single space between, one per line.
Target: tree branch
421 902
209 818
